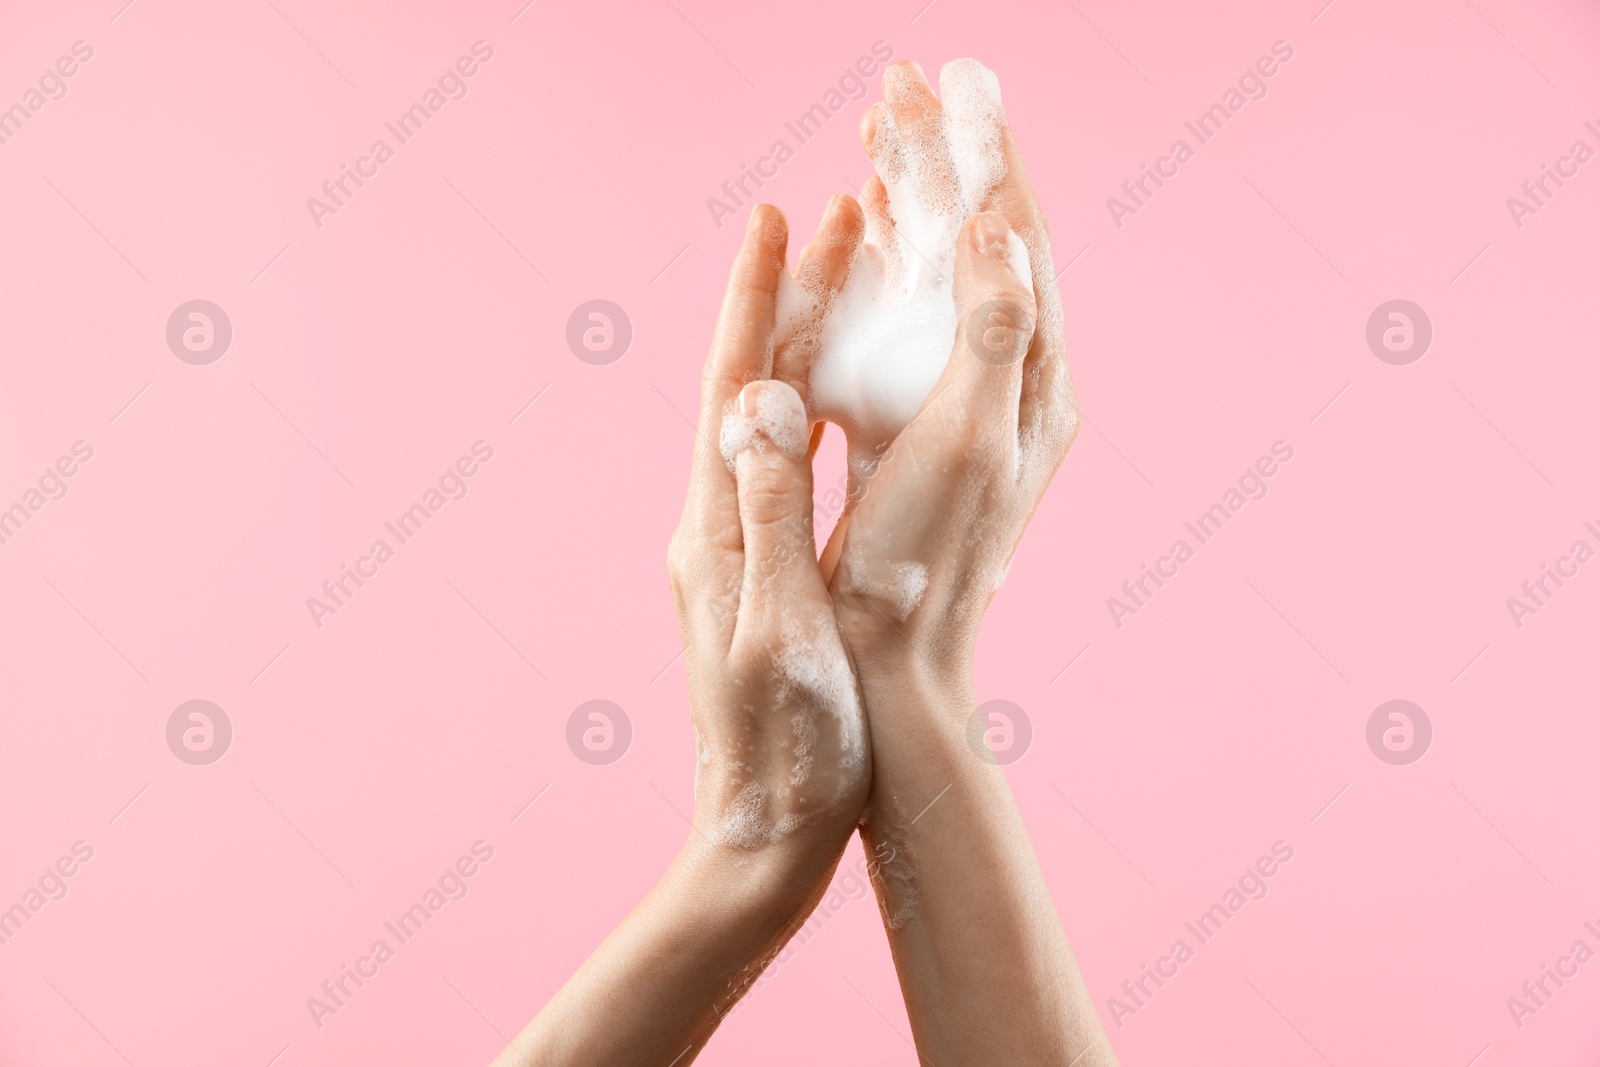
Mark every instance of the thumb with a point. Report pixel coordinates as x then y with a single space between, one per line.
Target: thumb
993 286
766 437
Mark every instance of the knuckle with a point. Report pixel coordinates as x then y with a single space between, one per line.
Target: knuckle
766 501
1015 299
768 491
999 328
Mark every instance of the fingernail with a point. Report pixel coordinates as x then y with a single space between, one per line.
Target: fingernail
992 235
749 401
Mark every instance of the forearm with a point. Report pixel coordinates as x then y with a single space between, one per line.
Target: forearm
983 962
655 990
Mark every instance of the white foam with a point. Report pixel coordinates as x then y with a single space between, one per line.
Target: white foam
816 687
901 585
893 867
779 419
883 342
744 824
813 661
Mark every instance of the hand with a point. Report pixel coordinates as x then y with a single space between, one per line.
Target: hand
937 513
786 764
782 742
783 752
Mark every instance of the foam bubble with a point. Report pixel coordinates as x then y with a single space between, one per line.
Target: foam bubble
970 93
883 342
779 418
813 662
901 586
745 824
893 869
816 687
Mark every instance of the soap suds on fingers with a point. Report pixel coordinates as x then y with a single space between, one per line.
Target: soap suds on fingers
765 412
883 341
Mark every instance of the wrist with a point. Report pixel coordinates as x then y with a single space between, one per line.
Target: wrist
928 652
905 679
762 890
738 909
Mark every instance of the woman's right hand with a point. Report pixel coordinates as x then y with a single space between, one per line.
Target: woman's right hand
938 512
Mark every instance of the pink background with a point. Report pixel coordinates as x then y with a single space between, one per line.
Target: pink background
370 353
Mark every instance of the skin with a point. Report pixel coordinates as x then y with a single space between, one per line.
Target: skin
983 962
744 574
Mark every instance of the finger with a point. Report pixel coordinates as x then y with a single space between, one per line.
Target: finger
766 433
863 460
824 266
878 228
911 149
909 98
741 351
1013 195
995 319
1048 413
871 120
817 433
1048 406
828 558
825 262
